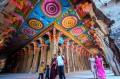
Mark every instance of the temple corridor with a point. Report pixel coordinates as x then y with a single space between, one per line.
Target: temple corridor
36 35
73 75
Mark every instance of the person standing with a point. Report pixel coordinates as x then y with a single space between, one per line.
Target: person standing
54 70
100 68
47 72
60 64
42 68
92 65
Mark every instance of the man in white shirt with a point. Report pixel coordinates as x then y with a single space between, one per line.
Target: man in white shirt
60 63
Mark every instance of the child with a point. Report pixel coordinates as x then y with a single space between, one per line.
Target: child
42 68
47 72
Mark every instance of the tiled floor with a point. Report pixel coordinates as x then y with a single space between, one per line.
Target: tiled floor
75 75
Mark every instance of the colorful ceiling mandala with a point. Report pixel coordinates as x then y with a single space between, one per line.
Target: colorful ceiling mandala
51 8
69 21
77 30
23 36
35 23
82 36
18 40
28 31
86 40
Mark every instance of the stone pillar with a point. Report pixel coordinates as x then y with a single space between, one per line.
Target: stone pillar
53 47
71 60
44 55
20 68
65 53
35 59
25 60
30 59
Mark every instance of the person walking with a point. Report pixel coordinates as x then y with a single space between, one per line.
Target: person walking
47 72
54 70
42 68
60 64
100 68
92 66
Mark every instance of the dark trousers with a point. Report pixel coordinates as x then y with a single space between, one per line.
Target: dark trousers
47 77
40 75
61 72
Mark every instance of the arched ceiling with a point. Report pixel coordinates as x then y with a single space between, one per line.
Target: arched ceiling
57 13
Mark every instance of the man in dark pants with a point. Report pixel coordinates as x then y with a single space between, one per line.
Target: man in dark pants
60 62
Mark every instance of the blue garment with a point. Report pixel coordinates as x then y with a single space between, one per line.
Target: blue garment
60 60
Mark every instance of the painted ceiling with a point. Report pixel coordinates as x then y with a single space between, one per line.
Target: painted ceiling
60 12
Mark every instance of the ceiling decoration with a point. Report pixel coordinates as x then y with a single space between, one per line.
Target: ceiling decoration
28 31
69 21
23 36
51 8
19 40
86 40
41 17
82 36
35 23
77 30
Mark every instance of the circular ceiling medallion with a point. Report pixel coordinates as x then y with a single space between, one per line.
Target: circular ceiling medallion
86 40
88 44
18 40
28 31
23 36
69 21
51 8
82 36
77 30
35 23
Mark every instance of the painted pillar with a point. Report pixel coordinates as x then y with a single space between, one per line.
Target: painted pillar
30 59
25 59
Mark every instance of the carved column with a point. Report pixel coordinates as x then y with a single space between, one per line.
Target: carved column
35 59
30 59
65 53
20 69
44 54
25 59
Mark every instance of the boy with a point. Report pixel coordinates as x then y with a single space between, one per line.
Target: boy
42 68
47 72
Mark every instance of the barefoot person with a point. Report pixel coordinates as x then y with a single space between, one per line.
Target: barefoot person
100 68
53 72
92 66
60 64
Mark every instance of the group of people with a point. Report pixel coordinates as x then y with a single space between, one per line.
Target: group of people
97 67
57 67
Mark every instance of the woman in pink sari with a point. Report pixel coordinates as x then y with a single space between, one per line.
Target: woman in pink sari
100 68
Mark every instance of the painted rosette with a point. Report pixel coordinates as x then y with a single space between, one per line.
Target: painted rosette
82 36
35 23
77 30
69 21
28 31
86 40
18 40
51 8
23 36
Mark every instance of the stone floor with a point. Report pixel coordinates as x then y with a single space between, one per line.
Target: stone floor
75 75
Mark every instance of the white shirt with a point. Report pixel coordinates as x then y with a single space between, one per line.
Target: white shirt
92 61
60 61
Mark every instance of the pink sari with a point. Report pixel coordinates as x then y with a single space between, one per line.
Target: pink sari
100 68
